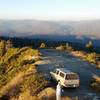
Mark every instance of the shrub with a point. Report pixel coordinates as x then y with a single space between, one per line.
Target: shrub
61 47
91 58
89 46
66 47
98 64
43 45
95 83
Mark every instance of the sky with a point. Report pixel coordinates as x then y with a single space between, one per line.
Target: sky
50 9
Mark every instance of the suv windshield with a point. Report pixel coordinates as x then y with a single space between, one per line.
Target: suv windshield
72 76
57 72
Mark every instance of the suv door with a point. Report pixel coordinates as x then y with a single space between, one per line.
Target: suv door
61 77
57 75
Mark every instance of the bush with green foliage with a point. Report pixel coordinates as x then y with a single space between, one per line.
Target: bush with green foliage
95 83
91 58
43 45
89 46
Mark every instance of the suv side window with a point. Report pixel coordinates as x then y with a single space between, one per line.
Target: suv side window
57 72
62 74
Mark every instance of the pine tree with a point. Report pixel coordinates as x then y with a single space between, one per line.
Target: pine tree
42 45
89 46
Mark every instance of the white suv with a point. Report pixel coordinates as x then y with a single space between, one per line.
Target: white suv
66 77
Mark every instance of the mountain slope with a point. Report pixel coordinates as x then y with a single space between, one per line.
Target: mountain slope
73 31
31 27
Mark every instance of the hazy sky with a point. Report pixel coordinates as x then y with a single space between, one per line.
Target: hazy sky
50 9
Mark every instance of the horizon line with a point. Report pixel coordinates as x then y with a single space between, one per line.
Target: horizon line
15 19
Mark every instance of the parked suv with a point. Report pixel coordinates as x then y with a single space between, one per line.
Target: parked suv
66 78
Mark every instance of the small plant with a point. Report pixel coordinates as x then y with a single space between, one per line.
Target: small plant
43 45
91 58
95 83
89 46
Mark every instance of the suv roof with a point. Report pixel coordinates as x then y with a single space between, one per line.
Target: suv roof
65 71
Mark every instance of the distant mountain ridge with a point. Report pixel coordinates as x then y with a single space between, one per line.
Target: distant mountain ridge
75 31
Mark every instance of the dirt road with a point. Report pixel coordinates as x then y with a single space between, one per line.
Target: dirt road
58 59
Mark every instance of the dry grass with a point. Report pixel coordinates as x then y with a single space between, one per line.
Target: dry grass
79 54
12 84
16 81
26 96
66 98
47 94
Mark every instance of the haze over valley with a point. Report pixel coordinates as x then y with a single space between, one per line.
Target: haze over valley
72 31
